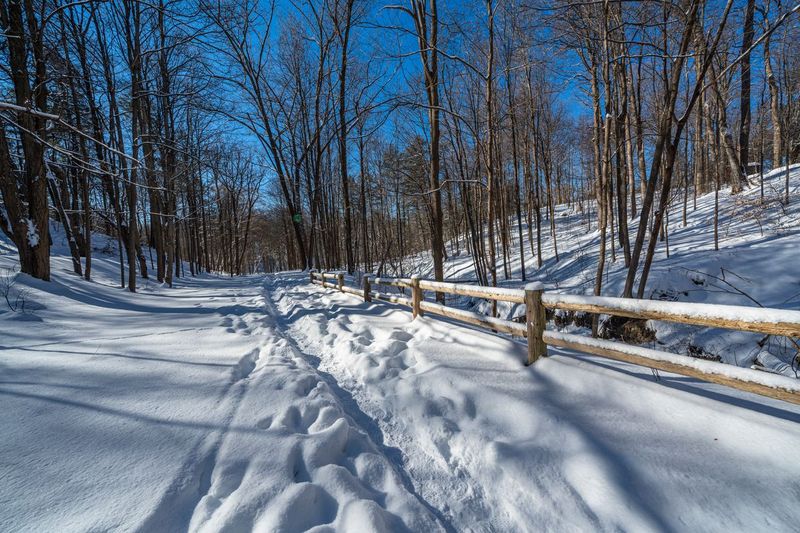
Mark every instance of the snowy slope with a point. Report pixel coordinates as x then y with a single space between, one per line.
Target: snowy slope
755 264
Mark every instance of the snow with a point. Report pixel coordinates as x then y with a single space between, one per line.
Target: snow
755 264
178 409
391 298
706 367
396 282
497 293
33 235
574 442
697 311
271 404
534 286
514 328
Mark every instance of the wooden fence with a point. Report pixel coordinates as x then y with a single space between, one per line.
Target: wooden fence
759 320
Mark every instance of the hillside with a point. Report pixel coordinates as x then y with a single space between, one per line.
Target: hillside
758 248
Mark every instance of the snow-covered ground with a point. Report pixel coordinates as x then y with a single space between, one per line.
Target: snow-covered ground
573 443
268 404
755 265
272 405
178 409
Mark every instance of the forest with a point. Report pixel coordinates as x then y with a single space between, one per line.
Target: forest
401 266
237 136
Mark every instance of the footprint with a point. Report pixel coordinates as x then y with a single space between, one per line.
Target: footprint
355 347
400 335
246 365
469 407
431 409
224 482
296 462
242 327
363 340
290 418
301 507
305 385
395 365
443 446
390 373
327 447
443 437
409 360
308 416
229 480
264 423
395 348
325 418
330 339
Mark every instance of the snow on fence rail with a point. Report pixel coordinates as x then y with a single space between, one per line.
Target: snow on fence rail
753 319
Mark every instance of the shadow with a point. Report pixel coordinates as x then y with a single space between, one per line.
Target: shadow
350 310
46 384
112 298
544 394
373 431
104 339
641 497
122 413
695 386
613 449
120 355
682 383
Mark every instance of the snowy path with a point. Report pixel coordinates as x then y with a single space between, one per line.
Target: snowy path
272 405
576 443
175 410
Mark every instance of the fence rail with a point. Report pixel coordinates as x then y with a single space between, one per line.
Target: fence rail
768 321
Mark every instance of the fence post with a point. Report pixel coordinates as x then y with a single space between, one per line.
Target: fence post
366 286
535 320
340 281
311 276
416 297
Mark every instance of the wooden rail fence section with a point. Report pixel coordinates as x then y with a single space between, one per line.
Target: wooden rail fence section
758 320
